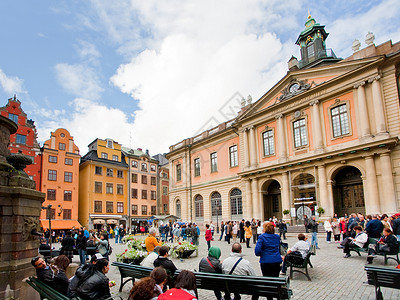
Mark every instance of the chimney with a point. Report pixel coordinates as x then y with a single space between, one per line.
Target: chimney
147 151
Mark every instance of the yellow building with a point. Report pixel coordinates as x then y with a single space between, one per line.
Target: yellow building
103 190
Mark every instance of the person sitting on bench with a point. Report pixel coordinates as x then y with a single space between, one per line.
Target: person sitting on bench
298 252
358 241
386 244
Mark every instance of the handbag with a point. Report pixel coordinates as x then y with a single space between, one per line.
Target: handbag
283 248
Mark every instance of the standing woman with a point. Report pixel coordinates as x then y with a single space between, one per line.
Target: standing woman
208 236
228 231
248 233
328 229
81 242
259 229
267 248
336 230
235 229
67 246
103 245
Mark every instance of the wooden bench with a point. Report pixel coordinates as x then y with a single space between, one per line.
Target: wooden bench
304 265
364 249
46 292
386 255
382 277
277 287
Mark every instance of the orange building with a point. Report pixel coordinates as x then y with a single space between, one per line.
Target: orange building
60 180
325 136
103 191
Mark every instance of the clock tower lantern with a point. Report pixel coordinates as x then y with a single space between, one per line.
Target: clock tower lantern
312 45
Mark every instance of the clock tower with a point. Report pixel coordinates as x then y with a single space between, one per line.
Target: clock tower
312 45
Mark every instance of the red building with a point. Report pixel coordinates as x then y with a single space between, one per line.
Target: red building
25 139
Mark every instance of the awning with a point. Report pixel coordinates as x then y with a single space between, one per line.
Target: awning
112 221
99 221
60 224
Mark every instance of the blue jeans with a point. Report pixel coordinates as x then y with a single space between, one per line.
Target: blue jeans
314 239
120 238
82 256
328 236
116 239
208 245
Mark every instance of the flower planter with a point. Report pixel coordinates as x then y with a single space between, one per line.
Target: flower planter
133 261
184 253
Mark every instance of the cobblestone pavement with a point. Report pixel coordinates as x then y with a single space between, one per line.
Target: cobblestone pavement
333 277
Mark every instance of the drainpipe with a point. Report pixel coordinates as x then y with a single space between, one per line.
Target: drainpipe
190 182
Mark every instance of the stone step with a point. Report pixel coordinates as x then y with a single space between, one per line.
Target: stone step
296 229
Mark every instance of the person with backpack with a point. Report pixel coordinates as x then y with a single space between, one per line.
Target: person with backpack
103 246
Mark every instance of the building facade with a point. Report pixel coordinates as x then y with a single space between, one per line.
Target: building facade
162 185
60 180
25 139
325 136
142 185
103 191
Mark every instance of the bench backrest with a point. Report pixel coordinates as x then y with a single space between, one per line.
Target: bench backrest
385 277
135 271
44 290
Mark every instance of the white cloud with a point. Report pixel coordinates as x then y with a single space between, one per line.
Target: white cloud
87 121
79 80
11 84
88 52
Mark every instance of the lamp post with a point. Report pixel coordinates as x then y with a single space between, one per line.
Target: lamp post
48 209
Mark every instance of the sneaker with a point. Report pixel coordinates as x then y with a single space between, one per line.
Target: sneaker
328 242
371 255
282 273
347 255
317 248
340 247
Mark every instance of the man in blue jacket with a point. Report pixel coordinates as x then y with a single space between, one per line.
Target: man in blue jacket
374 228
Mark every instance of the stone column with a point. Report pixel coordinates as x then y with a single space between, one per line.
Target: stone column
388 204
363 110
253 149
330 195
316 126
372 200
246 151
255 198
285 195
378 105
323 193
281 138
249 203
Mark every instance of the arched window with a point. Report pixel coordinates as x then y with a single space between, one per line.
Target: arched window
236 202
198 206
178 208
216 206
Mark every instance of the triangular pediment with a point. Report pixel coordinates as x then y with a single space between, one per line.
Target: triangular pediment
299 82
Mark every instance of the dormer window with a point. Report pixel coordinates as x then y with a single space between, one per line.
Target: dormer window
110 144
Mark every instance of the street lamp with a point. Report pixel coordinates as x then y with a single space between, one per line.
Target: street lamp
48 209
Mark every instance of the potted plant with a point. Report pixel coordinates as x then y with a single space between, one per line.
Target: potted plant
320 210
131 256
181 249
286 212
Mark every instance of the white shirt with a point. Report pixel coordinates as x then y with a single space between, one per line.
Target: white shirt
149 260
302 246
243 267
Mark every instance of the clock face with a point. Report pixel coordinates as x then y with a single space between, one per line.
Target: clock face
294 88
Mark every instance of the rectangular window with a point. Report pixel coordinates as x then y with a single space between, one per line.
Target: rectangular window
134 163
21 139
178 172
165 208
51 213
144 194
197 167
52 159
61 146
134 194
144 167
153 180
134 209
165 175
340 121
69 161
13 117
144 179
300 134
165 190
109 188
134 178
98 187
51 194
214 162
67 195
120 189
52 175
115 157
104 155
110 172
98 171
153 210
67 176
268 143
109 144
120 207
109 207
233 156
153 168
67 214
310 50
144 210
120 174
153 195
98 206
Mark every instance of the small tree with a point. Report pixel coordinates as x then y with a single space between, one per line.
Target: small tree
320 211
286 212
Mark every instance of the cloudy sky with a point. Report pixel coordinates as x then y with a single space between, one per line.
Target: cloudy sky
151 73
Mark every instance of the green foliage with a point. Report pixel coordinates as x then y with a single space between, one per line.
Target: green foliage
286 212
320 210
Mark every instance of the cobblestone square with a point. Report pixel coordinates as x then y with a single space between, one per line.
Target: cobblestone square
333 277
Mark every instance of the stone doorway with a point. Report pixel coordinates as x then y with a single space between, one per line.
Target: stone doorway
348 192
272 200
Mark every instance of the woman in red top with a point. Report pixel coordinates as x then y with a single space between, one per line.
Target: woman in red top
185 287
208 236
